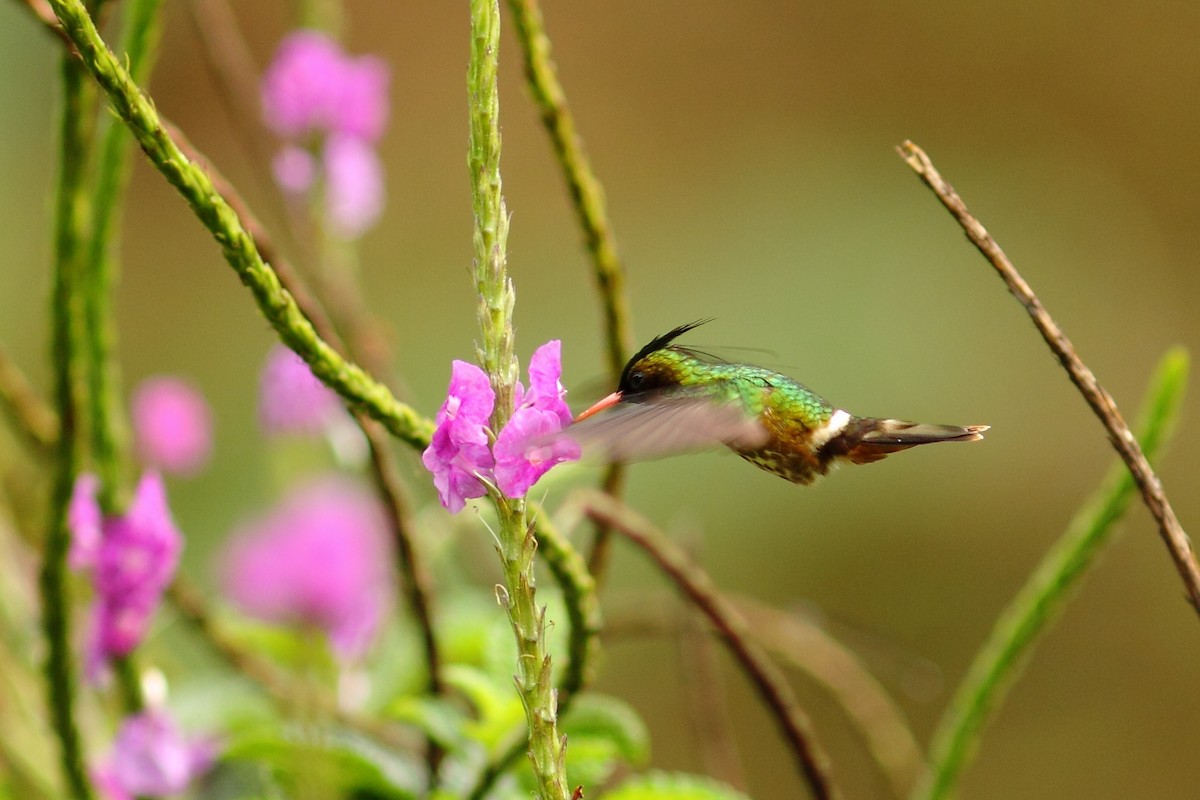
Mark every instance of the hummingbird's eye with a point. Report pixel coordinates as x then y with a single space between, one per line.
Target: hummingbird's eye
636 380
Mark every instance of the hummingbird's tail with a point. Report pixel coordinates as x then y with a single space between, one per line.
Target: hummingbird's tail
865 440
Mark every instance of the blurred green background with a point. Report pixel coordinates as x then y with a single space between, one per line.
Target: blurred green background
747 154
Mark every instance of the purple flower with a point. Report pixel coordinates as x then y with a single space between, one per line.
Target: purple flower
172 425
301 85
312 90
458 454
526 449
354 191
311 86
361 105
132 561
321 558
151 757
292 399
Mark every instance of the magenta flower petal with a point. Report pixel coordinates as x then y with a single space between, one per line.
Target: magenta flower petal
527 449
354 190
301 86
134 561
458 454
292 399
85 522
172 425
321 558
361 104
152 757
546 391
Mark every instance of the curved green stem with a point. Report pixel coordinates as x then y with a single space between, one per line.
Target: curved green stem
66 318
1036 605
277 305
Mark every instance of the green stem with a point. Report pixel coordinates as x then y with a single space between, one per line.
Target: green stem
583 611
515 540
1037 604
70 222
109 435
587 195
277 305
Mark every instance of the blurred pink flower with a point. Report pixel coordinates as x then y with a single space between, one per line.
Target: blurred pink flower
172 425
313 91
294 169
85 522
151 757
526 449
132 561
361 104
354 191
458 454
293 400
320 558
301 84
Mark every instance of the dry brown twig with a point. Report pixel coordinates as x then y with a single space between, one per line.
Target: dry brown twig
1101 402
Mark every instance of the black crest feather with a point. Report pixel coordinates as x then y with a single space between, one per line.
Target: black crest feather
659 342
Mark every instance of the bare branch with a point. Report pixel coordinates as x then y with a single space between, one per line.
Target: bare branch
1101 402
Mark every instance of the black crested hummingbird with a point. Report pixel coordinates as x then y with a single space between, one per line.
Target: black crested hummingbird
672 398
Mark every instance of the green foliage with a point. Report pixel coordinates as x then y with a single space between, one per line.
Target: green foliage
308 763
673 786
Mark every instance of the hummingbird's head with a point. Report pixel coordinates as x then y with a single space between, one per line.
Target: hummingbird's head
654 369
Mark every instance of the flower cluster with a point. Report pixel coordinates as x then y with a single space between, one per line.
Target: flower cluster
319 100
320 559
172 425
132 557
527 448
151 757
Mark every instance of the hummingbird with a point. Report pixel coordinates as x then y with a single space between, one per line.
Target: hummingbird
672 398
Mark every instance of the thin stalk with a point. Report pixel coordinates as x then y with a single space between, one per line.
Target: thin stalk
515 540
587 196
215 213
583 612
998 663
1179 546
65 320
109 431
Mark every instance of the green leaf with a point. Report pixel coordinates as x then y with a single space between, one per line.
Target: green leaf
435 717
497 707
673 786
330 763
599 716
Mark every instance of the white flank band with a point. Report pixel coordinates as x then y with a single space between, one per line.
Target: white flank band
837 423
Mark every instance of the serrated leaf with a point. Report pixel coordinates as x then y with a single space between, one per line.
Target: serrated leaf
673 786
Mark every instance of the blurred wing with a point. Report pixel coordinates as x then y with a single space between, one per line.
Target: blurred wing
664 427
